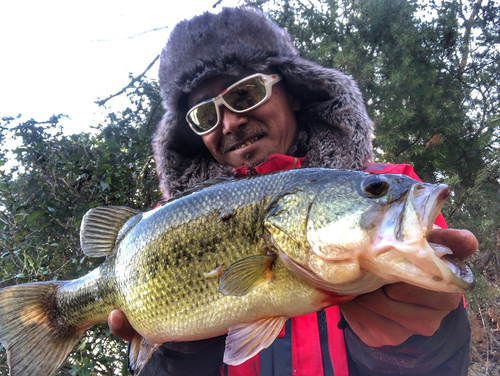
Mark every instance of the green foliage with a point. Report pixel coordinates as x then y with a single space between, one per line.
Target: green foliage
52 183
429 74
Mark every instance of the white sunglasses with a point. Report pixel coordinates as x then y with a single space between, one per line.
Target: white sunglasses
242 96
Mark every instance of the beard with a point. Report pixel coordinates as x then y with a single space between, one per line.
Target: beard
252 162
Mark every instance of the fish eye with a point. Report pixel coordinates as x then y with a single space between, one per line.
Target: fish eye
375 186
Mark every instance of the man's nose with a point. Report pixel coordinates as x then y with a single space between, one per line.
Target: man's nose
231 121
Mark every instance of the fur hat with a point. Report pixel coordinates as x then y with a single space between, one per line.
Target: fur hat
334 129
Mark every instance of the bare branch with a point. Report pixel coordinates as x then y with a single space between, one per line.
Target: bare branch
468 23
133 36
131 83
152 113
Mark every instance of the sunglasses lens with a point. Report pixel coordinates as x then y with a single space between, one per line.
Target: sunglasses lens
204 117
246 95
243 97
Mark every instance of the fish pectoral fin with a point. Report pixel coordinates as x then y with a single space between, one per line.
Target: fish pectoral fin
246 340
101 227
246 274
140 352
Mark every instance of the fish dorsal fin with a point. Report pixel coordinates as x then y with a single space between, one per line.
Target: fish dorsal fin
246 340
140 352
100 228
246 274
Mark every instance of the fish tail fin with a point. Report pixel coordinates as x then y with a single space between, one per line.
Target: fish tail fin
32 330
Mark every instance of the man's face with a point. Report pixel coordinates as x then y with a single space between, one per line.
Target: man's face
248 138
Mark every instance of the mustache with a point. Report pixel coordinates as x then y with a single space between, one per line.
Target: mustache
227 142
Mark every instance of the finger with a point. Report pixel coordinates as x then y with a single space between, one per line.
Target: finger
406 293
119 325
372 328
463 243
415 318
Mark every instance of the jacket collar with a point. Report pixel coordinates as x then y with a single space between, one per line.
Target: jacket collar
275 162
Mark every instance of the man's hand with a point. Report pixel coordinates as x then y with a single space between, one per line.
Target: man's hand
393 313
119 325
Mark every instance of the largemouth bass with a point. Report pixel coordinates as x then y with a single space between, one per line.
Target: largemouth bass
237 256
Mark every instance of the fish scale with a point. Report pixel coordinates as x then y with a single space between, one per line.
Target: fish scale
236 256
207 232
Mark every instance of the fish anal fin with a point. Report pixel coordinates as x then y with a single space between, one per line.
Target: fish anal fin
36 342
246 274
102 226
140 352
246 340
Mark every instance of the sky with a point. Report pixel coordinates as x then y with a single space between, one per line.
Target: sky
59 57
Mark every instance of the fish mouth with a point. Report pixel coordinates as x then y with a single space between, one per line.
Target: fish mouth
431 204
463 276
421 208
407 256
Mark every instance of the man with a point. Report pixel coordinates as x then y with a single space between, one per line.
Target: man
278 109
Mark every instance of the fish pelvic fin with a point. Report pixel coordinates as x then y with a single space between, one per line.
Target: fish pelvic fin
140 352
246 274
246 340
102 227
32 331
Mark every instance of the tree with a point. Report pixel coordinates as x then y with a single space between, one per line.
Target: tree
54 181
429 74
